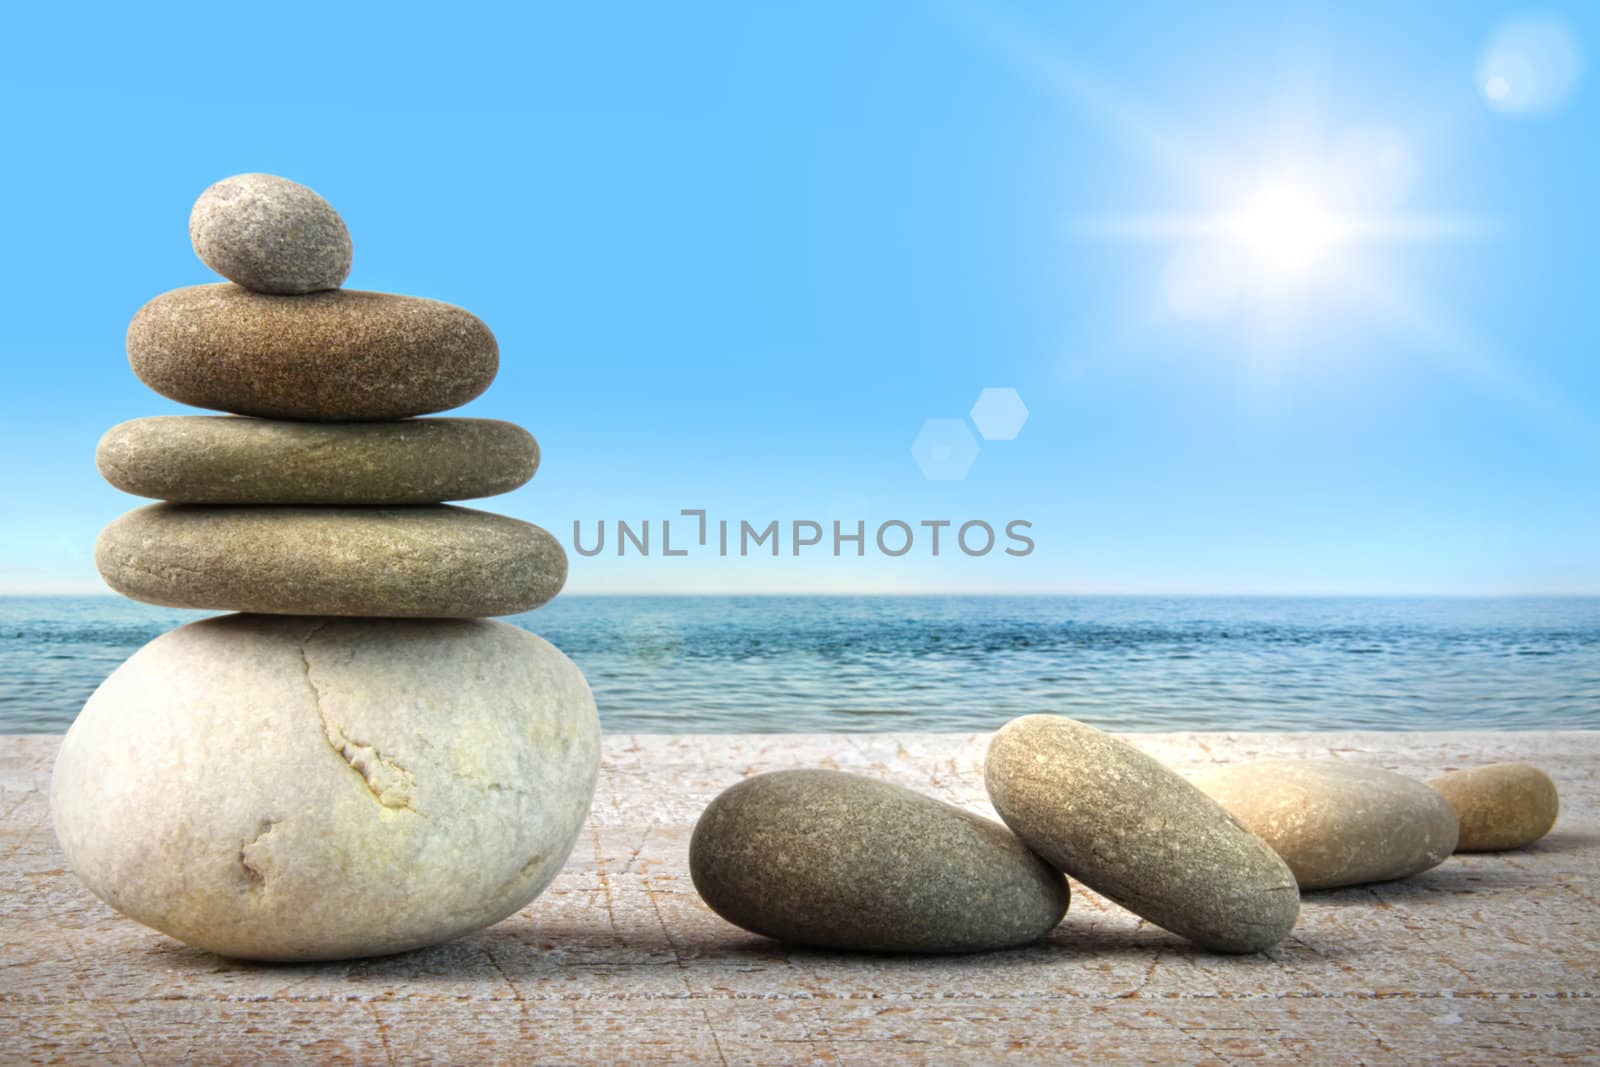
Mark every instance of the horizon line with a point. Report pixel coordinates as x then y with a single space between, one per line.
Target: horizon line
914 594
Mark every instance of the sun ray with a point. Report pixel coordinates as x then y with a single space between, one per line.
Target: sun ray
1114 112
1454 347
1276 243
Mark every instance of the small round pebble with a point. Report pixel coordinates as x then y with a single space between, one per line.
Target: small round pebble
1338 823
1501 806
843 861
300 789
270 235
1129 828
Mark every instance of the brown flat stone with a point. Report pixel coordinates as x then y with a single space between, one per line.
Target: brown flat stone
419 562
336 355
223 459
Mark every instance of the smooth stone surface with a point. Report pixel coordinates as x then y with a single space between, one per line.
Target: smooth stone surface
339 355
1338 823
1132 830
271 235
843 861
430 562
300 788
224 459
1501 806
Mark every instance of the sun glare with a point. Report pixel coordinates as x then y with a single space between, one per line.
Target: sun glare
1285 228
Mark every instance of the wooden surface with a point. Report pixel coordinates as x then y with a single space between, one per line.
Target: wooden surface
1487 959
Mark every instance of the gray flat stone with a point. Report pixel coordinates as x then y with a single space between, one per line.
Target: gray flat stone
284 788
270 235
338 355
1501 806
222 459
1129 828
843 861
1335 823
430 562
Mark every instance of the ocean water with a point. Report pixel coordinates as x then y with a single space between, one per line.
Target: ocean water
819 664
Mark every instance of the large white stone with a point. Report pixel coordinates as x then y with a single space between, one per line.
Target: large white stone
293 788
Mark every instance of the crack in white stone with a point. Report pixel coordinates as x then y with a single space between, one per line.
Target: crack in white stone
389 782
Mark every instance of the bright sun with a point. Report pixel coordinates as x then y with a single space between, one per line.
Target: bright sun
1283 227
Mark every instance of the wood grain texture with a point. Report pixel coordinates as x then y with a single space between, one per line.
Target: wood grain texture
1489 958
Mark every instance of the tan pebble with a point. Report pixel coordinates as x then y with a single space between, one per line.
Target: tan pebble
1501 806
1337 823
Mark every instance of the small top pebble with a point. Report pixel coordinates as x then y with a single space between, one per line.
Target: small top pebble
271 235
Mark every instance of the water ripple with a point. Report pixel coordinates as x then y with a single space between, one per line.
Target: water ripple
820 664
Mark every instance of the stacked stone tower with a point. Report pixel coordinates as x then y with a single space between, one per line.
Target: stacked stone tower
360 761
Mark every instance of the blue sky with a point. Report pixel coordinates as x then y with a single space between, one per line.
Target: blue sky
1294 304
